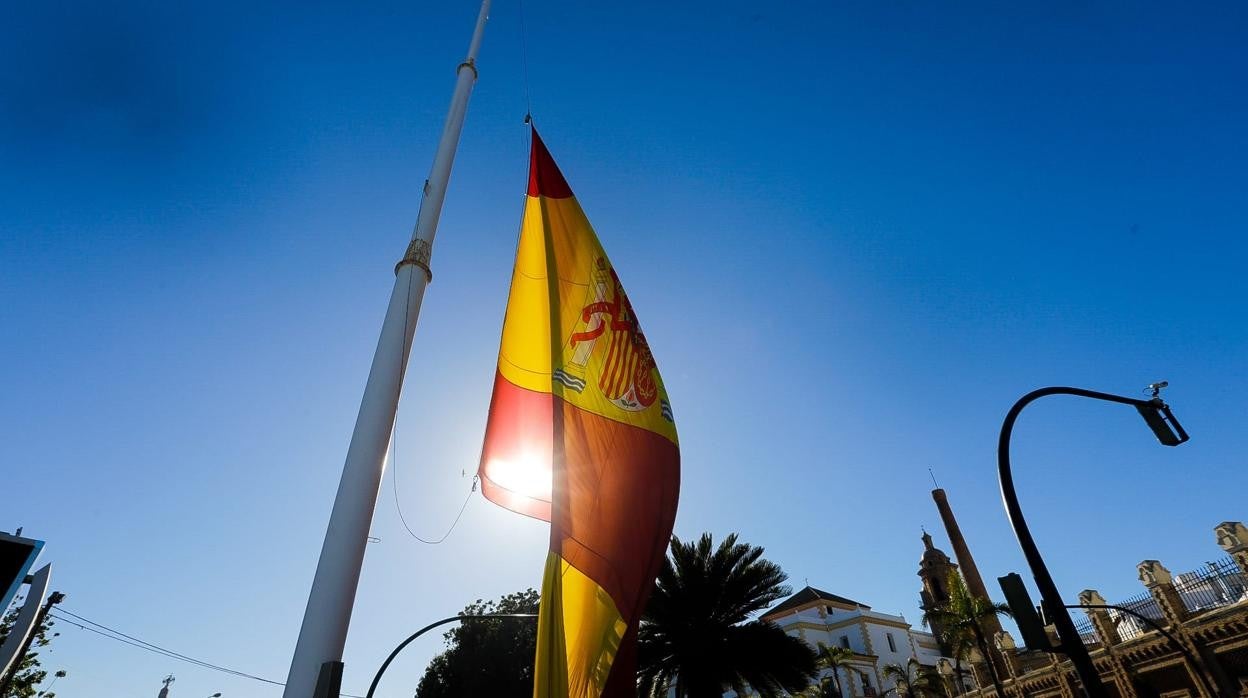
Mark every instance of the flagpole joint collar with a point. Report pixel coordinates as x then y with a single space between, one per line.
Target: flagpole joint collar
418 254
471 65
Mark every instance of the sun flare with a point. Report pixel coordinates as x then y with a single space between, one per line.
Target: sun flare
528 475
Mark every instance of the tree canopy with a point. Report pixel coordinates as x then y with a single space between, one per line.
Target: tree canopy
486 657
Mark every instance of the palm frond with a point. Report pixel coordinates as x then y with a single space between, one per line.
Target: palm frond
697 634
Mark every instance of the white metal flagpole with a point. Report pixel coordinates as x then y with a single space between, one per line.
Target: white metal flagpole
324 630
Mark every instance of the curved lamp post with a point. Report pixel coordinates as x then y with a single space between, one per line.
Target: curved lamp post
386 664
1168 431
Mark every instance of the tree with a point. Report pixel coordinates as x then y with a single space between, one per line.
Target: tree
697 635
47 692
830 658
30 671
965 613
913 679
960 642
486 657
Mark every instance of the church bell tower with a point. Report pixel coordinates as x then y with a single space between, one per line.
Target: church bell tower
934 569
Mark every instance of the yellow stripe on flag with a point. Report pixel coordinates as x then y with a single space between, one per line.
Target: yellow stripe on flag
585 619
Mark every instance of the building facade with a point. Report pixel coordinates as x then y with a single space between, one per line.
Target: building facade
1200 650
876 639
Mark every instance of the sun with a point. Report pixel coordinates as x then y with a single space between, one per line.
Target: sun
528 475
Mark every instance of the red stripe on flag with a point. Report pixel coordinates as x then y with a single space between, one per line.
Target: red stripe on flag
518 438
545 179
616 489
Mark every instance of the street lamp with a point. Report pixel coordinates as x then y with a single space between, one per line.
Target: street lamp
1167 430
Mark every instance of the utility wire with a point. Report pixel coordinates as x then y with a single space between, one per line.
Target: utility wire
119 636
141 646
157 648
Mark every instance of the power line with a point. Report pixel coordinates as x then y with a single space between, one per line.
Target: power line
110 633
88 628
158 648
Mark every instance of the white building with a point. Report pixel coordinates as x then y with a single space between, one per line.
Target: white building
876 639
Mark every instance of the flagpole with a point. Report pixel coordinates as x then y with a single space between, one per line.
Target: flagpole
328 614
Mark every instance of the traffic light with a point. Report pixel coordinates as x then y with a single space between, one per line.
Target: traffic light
1024 611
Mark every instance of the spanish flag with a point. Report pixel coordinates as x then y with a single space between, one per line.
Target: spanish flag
580 434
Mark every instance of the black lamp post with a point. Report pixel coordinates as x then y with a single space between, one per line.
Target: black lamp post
1168 431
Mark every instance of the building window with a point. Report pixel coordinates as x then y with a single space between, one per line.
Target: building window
892 646
845 641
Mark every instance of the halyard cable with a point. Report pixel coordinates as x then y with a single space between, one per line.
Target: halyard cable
394 481
394 430
524 56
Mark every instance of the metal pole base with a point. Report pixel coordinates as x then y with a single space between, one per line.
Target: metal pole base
329 681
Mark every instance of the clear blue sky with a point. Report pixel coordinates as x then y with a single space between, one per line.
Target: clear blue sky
855 234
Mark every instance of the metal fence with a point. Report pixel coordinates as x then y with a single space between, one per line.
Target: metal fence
1087 632
1130 627
1218 584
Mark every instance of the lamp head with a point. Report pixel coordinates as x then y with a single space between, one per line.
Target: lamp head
1160 419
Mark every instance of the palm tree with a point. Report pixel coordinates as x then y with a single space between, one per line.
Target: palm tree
697 634
965 613
832 658
960 642
901 679
913 679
